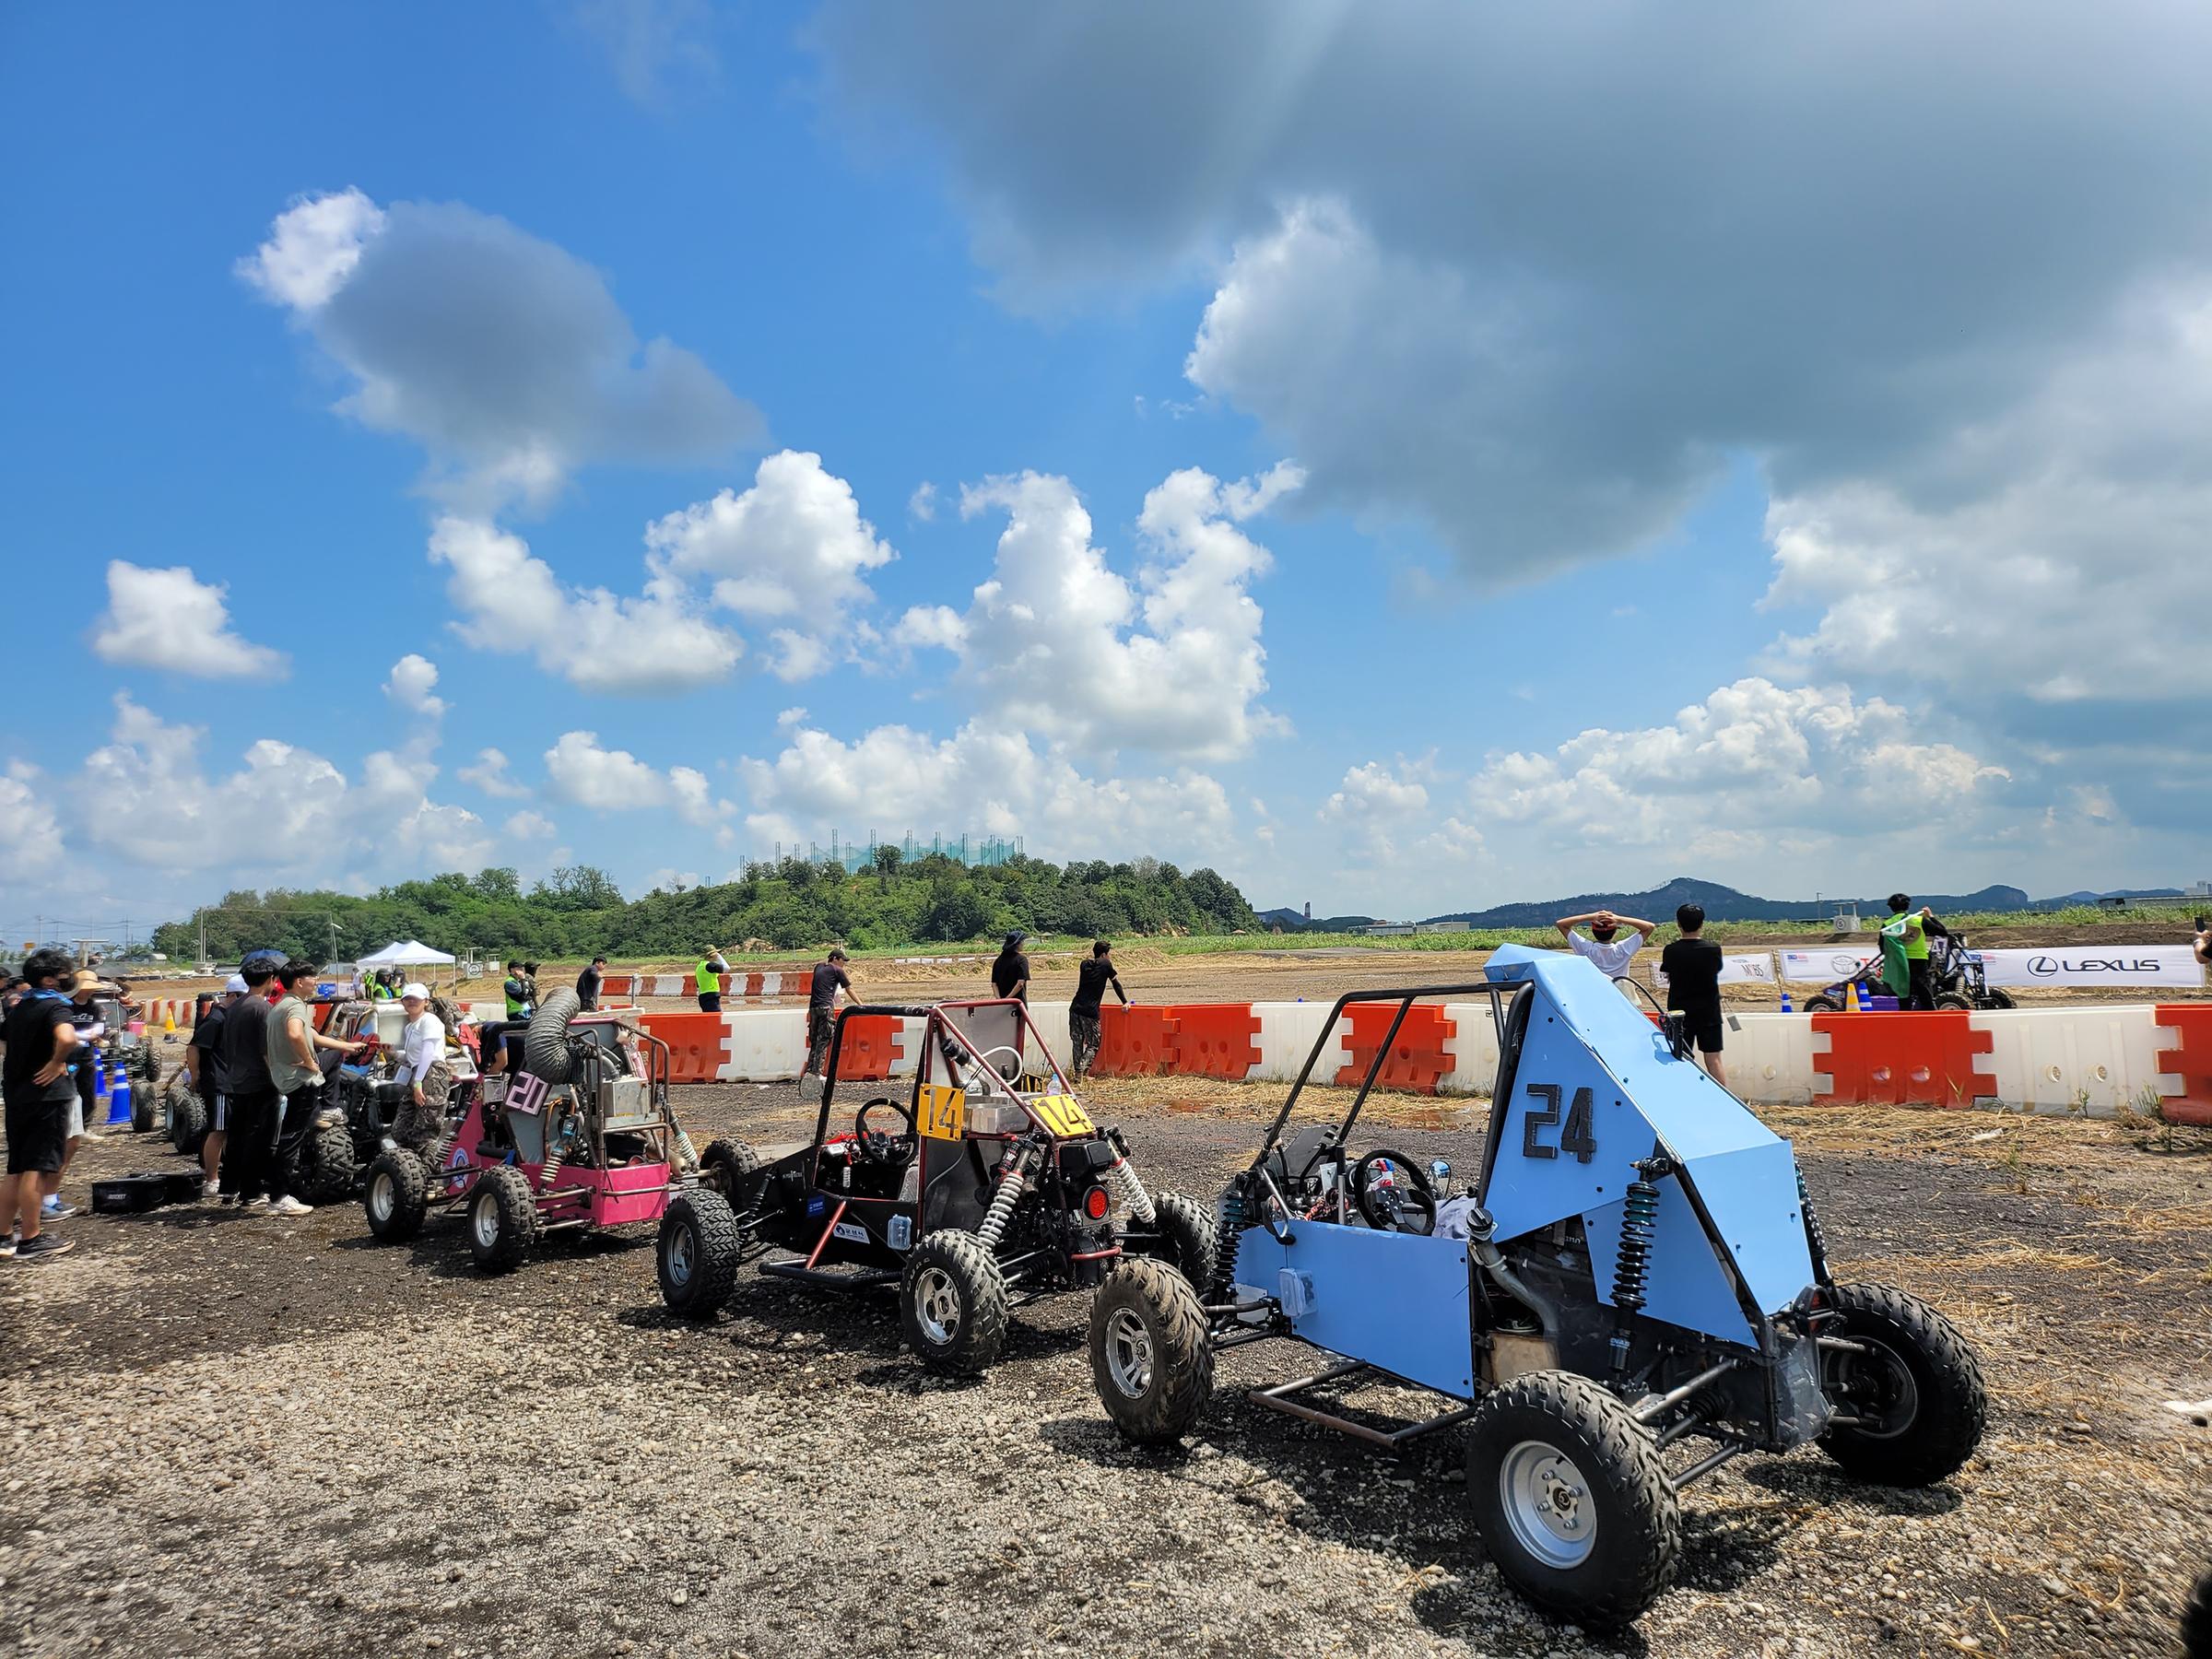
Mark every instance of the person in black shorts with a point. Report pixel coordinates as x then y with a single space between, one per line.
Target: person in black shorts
37 1093
1692 966
830 978
252 1107
1091 979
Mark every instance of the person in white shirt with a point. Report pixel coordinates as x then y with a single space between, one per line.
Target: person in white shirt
1603 948
423 1069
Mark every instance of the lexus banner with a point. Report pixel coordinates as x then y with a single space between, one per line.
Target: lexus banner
2094 965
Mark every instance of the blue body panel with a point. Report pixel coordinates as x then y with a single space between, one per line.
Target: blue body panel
1584 1034
1396 1301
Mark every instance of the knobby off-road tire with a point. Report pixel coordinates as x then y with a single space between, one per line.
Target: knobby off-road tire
952 1304
697 1254
726 1162
1951 1002
1922 1381
1151 1360
1571 1500
2002 999
1186 1236
1822 1005
327 1171
502 1219
397 1196
545 1044
142 1106
2197 1620
187 1120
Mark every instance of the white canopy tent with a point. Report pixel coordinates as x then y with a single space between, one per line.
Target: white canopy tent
406 953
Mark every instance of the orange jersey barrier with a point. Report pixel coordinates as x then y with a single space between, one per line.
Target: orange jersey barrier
695 1044
869 1048
1134 1043
2191 1061
1214 1039
1902 1060
1419 1055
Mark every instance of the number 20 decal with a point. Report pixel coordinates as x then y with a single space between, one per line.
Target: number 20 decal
1575 1137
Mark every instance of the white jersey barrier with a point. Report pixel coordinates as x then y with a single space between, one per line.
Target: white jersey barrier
2098 1060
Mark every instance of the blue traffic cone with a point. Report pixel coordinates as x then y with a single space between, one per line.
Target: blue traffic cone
119 1096
1785 1001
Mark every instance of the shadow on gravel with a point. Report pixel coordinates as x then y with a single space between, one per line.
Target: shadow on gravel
441 1249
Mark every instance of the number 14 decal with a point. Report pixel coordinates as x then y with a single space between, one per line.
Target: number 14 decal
1575 1139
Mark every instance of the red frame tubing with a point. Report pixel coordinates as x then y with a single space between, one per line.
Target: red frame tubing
822 1243
1419 1057
1907 1059
2191 1061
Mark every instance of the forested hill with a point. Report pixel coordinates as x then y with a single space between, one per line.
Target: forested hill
794 905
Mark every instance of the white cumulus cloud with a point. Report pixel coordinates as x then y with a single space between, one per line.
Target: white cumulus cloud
412 685
168 618
489 772
578 768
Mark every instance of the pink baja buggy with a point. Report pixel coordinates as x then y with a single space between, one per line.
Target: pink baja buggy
582 1137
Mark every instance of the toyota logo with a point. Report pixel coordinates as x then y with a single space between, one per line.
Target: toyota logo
1842 964
2042 967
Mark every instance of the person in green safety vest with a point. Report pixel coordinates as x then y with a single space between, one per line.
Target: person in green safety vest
380 985
517 992
709 981
1912 929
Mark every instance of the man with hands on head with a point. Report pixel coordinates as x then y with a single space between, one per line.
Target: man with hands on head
1609 953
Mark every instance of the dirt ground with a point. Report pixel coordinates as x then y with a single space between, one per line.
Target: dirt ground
235 1435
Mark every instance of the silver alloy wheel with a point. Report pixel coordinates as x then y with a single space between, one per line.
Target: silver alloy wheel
680 1251
1547 1503
936 1305
381 1201
1129 1353
483 1217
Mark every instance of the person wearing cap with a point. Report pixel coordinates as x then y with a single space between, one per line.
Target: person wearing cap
34 1081
829 977
1010 970
423 1069
1092 977
204 1066
291 1040
707 979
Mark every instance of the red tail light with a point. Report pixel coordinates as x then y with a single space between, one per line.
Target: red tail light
1094 1203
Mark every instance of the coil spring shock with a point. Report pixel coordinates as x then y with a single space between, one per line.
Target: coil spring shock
1812 1227
1632 1265
556 1154
1014 1172
686 1153
1132 1190
1228 1219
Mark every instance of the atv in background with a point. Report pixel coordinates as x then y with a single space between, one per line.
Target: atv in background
1954 969
363 1100
986 1187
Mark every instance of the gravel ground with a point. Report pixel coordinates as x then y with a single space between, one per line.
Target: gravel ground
237 1435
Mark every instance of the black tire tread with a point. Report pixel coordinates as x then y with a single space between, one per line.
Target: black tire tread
1822 1004
1953 1429
1186 1234
2197 1620
1614 1435
982 1332
187 1120
510 1189
728 1152
545 1044
411 1184
710 1216
1183 1351
327 1168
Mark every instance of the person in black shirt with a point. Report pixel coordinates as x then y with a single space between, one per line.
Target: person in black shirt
587 985
1692 966
1091 979
37 1093
204 1066
830 978
1010 970
251 1103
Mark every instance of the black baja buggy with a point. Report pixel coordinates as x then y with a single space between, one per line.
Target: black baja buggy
987 1187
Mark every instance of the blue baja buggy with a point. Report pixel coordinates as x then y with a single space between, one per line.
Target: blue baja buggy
1637 1267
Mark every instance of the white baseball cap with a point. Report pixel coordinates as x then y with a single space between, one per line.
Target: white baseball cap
415 988
236 985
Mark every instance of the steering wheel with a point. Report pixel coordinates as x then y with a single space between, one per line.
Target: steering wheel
885 1145
1394 1193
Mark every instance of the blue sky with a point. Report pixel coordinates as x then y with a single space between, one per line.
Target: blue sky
1516 459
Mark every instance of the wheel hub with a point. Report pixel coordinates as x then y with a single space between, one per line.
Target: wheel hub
679 1255
1129 1353
1547 1503
936 1305
483 1216
379 1197
1878 1387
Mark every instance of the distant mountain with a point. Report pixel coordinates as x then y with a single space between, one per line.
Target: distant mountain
1726 904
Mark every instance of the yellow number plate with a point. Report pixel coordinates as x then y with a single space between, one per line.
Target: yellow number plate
944 1112
1062 1114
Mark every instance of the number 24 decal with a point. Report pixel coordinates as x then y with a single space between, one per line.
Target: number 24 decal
1575 1139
